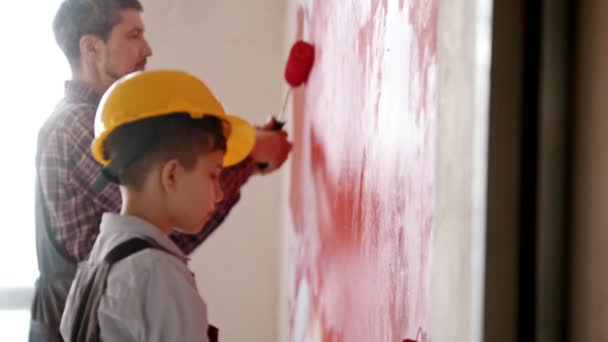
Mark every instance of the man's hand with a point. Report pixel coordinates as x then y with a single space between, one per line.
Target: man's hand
271 149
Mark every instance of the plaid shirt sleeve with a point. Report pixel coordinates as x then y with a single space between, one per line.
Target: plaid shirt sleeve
68 170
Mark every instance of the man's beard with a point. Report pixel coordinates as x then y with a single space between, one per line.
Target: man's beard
112 75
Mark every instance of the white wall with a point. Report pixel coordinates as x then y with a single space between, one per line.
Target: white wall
458 242
237 47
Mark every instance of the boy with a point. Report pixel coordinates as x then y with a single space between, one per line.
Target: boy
164 138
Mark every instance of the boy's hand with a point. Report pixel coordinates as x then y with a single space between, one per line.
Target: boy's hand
271 148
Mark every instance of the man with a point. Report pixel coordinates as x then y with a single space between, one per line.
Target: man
103 40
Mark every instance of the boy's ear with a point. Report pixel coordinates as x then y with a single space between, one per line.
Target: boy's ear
169 174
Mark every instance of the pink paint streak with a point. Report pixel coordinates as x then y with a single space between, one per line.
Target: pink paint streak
362 175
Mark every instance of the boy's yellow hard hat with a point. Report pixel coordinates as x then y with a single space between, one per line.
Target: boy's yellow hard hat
147 94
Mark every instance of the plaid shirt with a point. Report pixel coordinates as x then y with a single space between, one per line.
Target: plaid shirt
67 171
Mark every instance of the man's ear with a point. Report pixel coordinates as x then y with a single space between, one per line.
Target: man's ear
169 175
89 46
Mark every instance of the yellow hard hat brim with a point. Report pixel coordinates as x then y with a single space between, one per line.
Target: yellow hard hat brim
240 142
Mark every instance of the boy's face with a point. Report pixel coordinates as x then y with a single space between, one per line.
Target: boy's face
192 199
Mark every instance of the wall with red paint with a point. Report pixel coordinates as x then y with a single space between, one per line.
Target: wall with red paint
387 174
362 173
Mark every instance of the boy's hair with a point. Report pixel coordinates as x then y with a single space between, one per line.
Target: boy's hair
162 138
76 18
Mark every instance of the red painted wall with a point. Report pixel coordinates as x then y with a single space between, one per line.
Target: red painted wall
362 176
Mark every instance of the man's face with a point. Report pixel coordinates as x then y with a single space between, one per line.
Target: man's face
126 49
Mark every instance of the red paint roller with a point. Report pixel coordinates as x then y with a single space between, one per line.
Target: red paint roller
299 64
298 67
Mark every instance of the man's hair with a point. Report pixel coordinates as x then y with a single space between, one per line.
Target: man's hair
160 139
76 18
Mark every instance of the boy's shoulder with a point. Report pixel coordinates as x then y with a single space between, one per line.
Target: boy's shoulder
149 264
147 261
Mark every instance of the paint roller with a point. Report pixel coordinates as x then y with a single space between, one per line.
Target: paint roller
297 69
